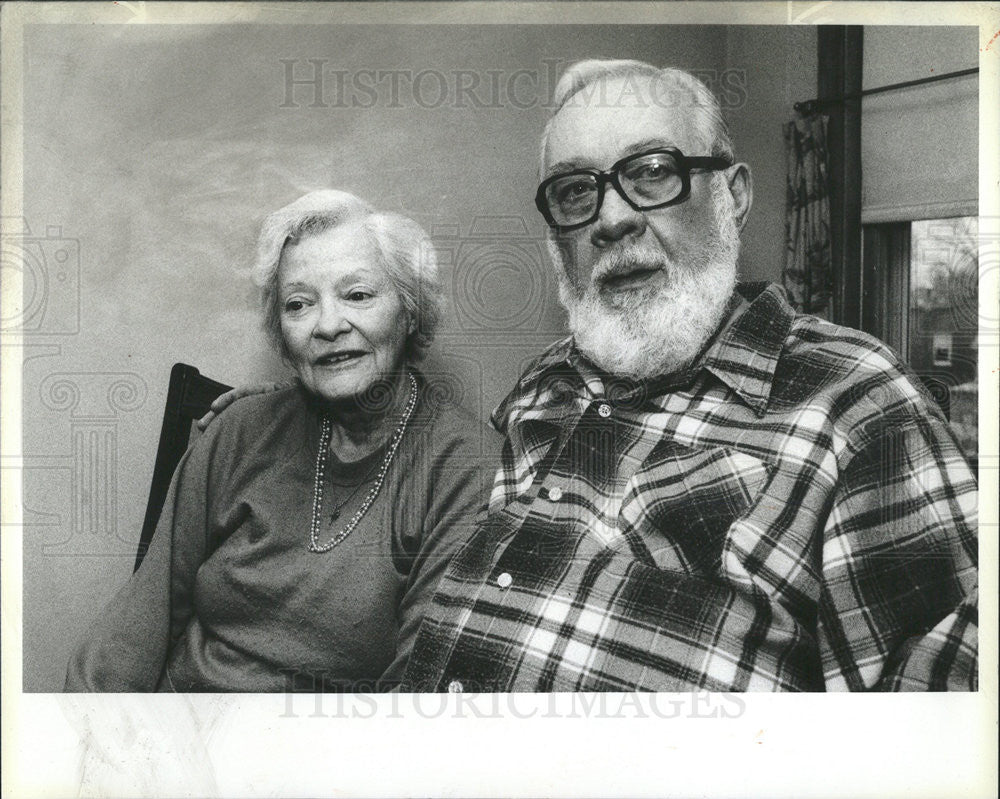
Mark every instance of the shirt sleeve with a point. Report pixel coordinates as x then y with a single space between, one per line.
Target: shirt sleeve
125 649
898 605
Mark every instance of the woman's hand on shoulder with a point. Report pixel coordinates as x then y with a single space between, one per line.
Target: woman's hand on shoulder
223 401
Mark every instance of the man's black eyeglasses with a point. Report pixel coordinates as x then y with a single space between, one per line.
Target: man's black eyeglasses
653 179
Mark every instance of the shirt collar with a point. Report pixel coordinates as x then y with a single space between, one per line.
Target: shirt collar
743 354
555 361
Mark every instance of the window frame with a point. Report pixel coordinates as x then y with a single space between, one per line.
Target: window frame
886 304
885 284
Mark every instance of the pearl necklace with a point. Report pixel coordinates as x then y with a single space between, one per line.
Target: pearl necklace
325 437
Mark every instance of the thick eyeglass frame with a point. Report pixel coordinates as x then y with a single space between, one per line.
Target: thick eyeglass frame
685 165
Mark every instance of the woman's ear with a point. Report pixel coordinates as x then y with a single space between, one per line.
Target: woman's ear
740 184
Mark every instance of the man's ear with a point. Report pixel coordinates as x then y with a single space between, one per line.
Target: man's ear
741 187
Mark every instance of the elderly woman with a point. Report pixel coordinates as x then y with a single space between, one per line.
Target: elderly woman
305 531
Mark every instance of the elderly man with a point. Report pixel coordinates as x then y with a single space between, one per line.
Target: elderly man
699 489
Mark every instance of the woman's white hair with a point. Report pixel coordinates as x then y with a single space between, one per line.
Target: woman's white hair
673 87
404 249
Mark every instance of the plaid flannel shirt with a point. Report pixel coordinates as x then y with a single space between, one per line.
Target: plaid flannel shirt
791 514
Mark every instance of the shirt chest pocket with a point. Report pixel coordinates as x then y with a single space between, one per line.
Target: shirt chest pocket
681 502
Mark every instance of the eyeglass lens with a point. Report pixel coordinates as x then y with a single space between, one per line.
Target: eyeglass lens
647 180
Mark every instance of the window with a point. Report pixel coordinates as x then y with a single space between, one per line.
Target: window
920 295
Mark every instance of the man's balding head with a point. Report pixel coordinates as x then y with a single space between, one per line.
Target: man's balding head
643 83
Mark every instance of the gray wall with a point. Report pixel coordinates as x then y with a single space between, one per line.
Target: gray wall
151 155
780 64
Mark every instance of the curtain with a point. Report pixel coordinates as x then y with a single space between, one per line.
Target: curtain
807 272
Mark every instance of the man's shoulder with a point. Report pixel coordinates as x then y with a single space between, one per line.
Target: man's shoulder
850 370
820 338
769 326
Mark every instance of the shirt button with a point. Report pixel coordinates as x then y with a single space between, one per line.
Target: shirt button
455 687
505 580
555 493
604 410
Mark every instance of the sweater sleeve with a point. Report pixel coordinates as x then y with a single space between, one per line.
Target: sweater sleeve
454 477
126 647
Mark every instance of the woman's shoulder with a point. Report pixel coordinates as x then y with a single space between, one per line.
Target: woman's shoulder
449 425
253 415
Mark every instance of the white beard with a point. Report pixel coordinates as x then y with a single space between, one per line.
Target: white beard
660 330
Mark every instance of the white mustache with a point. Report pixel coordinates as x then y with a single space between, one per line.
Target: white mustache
622 261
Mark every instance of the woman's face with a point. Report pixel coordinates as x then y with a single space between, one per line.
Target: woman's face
342 321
